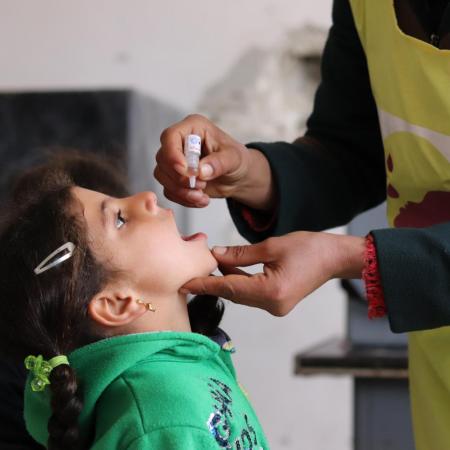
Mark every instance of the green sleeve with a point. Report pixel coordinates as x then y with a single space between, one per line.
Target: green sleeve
337 169
175 438
414 267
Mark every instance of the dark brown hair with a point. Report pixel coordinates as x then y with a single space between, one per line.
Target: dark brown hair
50 309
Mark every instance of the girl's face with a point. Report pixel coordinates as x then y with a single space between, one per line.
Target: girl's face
137 236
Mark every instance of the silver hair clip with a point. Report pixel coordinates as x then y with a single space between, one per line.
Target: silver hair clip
42 267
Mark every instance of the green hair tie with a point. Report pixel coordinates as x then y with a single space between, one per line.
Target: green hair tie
41 369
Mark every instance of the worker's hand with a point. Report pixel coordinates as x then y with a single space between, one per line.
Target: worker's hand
223 166
227 168
294 266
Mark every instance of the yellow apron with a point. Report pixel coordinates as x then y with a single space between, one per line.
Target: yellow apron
410 81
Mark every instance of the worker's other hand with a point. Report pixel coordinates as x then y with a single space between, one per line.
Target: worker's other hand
294 266
223 165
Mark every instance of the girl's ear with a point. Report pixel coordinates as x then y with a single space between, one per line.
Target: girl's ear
114 309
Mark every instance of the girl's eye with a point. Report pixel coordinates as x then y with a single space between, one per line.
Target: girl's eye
120 221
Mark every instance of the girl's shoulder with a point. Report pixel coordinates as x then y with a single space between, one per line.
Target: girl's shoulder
177 391
158 394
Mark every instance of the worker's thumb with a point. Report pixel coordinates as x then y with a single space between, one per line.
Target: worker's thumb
240 255
217 164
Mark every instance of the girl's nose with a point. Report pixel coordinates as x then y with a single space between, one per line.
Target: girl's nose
150 201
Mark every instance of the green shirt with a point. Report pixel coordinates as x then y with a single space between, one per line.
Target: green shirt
162 390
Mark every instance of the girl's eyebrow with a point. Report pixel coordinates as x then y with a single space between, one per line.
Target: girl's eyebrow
103 206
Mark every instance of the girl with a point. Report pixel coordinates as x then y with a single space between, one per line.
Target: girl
117 358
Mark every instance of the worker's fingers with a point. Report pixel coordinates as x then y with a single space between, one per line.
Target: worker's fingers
180 193
170 179
246 255
243 289
226 161
223 163
174 182
191 198
229 270
171 154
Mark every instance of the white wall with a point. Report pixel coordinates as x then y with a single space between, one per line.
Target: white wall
174 50
171 49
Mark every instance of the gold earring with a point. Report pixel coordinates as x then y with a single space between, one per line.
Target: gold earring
149 306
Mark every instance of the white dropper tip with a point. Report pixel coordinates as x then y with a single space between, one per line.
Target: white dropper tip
192 182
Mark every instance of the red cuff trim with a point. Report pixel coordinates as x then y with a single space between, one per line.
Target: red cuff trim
258 221
372 280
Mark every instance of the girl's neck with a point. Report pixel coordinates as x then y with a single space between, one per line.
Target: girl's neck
176 316
171 314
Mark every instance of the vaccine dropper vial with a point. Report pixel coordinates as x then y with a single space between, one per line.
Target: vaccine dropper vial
192 151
